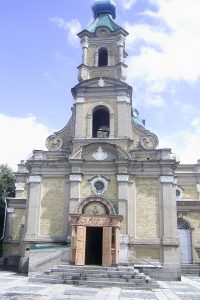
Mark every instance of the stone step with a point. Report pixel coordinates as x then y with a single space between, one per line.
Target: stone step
124 285
96 275
190 269
88 278
93 273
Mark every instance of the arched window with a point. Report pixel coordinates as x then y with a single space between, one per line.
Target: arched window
103 57
182 224
101 122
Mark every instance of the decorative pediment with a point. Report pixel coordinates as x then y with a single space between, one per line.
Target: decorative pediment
99 83
100 152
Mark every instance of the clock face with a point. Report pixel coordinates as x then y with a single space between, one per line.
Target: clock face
95 209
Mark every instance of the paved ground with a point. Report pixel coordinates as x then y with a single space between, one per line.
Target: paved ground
17 287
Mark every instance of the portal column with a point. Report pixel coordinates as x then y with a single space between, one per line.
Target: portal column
123 195
198 190
170 236
75 182
32 225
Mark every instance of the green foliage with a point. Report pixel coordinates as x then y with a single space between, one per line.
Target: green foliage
7 182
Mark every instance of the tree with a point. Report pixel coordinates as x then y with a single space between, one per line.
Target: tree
7 189
7 182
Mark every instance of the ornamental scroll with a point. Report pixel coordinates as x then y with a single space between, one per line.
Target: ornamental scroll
83 220
54 143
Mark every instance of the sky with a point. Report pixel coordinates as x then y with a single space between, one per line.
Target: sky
40 53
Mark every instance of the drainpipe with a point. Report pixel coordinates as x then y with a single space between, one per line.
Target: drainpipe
5 215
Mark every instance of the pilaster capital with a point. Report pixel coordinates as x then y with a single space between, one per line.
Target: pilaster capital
35 179
84 42
124 239
122 178
123 99
120 43
19 186
80 100
10 210
198 188
75 178
167 179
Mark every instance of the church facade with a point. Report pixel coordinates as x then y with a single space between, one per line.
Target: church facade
104 193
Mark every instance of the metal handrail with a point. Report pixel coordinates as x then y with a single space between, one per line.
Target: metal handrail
157 267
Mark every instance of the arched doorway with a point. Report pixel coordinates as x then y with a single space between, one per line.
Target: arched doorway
184 231
95 233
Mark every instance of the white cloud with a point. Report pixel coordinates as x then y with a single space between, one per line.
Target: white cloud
72 28
19 136
184 142
127 4
168 51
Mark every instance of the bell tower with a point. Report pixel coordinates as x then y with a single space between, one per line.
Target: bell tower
103 45
103 101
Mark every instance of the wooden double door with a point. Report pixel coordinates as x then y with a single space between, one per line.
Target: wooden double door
96 246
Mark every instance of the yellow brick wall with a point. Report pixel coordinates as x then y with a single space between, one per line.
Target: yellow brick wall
146 252
18 220
194 220
189 191
52 206
110 194
147 218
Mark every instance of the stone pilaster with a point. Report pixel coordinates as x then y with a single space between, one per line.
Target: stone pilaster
120 45
169 234
123 254
79 118
123 116
33 212
198 190
75 182
84 44
19 186
89 126
122 180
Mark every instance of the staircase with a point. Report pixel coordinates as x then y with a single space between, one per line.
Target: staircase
96 276
190 269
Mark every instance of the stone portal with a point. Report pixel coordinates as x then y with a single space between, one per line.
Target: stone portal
95 236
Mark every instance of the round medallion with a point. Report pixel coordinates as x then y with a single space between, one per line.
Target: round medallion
99 185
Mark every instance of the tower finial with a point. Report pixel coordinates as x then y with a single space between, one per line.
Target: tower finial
104 7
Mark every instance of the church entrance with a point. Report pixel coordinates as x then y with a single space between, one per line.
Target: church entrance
93 248
95 240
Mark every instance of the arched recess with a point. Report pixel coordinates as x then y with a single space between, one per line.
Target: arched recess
185 237
98 200
100 122
100 115
102 57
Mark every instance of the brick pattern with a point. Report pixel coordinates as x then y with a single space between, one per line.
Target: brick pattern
52 207
147 222
18 220
189 192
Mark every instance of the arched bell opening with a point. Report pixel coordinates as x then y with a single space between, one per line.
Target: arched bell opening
101 122
102 57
